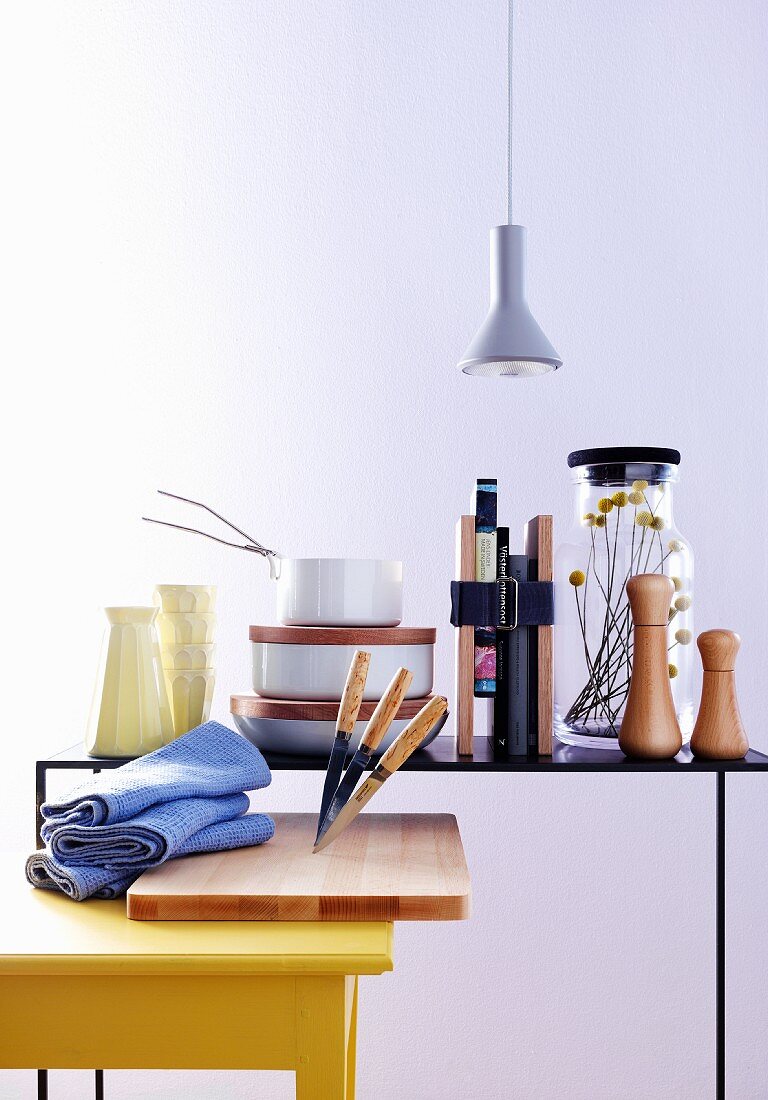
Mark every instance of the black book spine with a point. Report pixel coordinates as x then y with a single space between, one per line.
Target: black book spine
510 705
500 704
533 673
518 668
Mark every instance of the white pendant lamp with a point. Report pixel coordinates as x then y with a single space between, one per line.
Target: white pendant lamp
509 343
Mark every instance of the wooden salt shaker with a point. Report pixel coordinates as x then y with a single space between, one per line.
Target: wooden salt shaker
649 728
719 733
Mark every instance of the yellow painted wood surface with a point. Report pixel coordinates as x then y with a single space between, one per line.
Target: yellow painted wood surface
207 995
383 867
45 932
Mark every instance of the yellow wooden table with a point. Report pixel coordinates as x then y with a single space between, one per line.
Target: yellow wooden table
83 986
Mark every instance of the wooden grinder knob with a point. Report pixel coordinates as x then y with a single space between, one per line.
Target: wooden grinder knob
719 733
718 649
649 728
650 595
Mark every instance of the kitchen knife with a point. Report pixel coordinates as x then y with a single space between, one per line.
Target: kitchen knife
378 724
349 708
397 753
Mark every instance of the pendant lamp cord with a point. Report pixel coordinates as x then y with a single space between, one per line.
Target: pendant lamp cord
509 115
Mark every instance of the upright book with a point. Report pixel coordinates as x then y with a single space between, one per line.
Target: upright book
464 702
539 548
510 703
485 570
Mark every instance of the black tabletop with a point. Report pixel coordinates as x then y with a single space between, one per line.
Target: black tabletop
442 755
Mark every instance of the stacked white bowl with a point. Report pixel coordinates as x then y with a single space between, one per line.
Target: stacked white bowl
185 624
329 608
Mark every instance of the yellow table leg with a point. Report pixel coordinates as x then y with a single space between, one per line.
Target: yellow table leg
326 1018
352 1045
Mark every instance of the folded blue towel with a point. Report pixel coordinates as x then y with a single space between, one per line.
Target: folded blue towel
81 881
185 797
152 836
208 761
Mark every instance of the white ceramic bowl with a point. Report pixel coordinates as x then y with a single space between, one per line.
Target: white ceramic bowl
312 663
339 592
309 736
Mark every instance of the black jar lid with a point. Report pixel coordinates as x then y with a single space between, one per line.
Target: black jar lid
602 456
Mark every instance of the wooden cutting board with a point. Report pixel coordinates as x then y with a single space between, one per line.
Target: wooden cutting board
384 867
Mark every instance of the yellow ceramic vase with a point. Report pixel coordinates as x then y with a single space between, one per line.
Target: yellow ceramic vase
130 714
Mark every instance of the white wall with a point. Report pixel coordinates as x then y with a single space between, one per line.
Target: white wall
245 245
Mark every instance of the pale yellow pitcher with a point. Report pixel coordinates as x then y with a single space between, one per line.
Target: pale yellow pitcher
130 714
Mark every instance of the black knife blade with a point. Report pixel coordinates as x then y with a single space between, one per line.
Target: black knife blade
349 708
379 723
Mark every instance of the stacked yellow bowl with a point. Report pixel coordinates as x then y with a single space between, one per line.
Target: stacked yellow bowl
185 624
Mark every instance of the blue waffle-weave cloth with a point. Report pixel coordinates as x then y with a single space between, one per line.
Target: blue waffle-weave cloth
126 850
208 761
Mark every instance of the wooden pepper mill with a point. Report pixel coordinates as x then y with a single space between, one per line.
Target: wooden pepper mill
649 727
718 733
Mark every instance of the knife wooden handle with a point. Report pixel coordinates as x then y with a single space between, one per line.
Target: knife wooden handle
352 696
386 709
397 753
414 733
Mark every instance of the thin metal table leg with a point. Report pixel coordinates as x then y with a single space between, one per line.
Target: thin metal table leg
42 1084
99 1084
720 917
40 770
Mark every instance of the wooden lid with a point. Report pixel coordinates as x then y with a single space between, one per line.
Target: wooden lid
253 706
361 636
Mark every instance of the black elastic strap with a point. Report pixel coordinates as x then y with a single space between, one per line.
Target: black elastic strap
483 603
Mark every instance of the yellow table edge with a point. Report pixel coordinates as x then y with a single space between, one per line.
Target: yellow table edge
43 931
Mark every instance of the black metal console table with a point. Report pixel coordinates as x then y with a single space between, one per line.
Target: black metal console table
442 755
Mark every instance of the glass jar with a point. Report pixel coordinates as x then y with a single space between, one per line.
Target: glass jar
623 525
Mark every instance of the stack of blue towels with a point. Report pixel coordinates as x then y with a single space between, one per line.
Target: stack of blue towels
185 797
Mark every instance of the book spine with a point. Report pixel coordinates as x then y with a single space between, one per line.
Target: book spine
485 570
500 702
518 665
533 674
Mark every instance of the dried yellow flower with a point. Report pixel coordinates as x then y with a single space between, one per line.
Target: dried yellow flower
605 504
576 578
644 519
682 603
639 486
677 583
672 671
600 521
620 499
589 519
657 523
674 546
684 637
635 497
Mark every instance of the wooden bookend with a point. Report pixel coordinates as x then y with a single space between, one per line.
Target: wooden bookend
539 549
464 708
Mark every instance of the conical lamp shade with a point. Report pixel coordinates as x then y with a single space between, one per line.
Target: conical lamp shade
509 342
